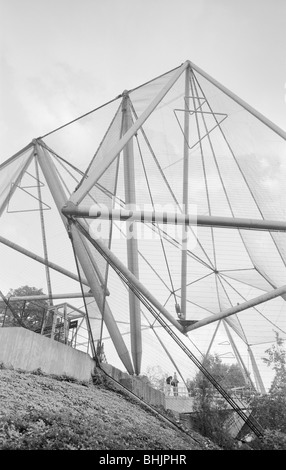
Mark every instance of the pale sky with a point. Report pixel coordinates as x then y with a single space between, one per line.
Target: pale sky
62 58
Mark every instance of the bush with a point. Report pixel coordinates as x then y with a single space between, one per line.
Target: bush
273 440
44 430
210 423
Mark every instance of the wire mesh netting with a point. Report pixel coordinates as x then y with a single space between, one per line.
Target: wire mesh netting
234 165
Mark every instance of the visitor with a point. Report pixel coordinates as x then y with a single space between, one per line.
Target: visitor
174 384
168 385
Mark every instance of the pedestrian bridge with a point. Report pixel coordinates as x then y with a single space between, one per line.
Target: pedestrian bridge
177 396
179 404
178 400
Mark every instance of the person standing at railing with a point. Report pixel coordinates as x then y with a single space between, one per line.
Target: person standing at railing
168 385
174 384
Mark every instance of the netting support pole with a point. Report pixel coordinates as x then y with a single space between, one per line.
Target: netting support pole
87 184
258 379
131 239
44 240
184 265
60 198
54 321
241 102
47 297
98 294
99 211
66 324
280 291
39 259
211 343
239 359
169 356
112 259
16 182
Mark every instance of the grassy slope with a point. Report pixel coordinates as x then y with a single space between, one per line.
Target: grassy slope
42 412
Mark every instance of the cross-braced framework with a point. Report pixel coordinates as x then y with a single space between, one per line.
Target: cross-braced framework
161 214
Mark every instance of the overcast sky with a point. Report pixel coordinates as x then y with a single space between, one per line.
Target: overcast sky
61 58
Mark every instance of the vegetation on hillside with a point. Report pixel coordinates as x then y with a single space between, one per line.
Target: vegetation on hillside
40 412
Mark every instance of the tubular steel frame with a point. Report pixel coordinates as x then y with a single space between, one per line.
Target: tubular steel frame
71 209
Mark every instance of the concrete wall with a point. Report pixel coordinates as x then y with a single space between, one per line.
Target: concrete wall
23 349
137 385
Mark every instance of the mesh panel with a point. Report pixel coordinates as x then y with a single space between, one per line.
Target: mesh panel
10 176
235 169
226 146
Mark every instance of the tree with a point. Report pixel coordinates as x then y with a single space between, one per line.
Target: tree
156 377
277 359
270 409
30 312
227 375
208 404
